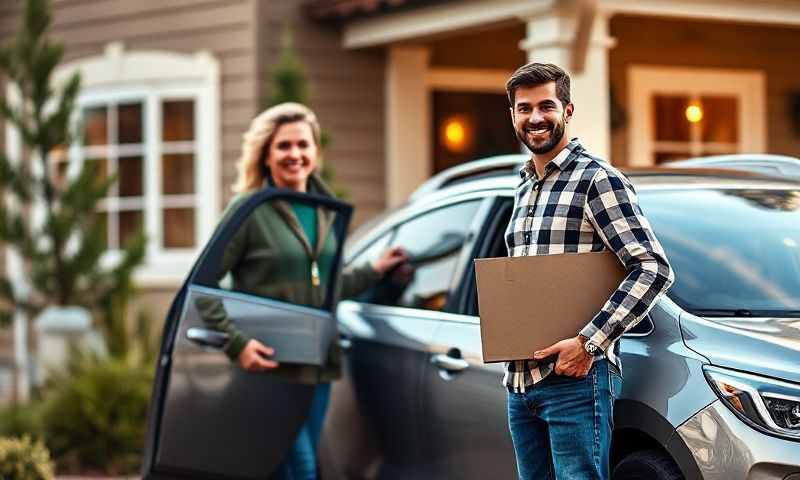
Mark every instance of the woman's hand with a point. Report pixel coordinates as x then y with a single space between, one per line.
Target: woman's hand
254 357
390 259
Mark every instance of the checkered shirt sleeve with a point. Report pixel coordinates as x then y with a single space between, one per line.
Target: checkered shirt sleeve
613 209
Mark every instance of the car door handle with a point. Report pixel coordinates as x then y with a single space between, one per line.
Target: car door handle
446 362
345 342
206 337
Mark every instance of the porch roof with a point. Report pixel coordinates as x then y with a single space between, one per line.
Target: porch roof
338 10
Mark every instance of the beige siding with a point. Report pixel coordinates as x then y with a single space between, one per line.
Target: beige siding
347 95
226 28
652 41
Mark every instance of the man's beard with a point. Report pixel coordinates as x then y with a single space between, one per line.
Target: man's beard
556 134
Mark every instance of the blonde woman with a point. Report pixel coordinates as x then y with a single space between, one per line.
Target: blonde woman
282 149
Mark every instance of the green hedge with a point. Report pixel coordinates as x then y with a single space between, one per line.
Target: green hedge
95 419
24 459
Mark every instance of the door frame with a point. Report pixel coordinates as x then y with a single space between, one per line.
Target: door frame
748 86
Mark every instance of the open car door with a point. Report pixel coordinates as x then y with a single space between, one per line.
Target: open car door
208 417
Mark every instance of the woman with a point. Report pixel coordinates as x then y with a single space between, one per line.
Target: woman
282 149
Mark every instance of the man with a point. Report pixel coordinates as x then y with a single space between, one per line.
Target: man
560 402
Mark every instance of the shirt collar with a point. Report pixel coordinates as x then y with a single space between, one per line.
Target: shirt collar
561 161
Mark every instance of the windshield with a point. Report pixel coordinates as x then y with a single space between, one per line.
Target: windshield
734 251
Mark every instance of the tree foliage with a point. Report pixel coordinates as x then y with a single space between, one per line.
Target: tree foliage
49 218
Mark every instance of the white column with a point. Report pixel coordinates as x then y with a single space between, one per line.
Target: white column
408 162
551 39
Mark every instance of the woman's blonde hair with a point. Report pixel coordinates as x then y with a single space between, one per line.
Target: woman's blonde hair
257 140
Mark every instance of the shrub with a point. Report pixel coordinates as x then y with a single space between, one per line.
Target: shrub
24 459
94 418
21 420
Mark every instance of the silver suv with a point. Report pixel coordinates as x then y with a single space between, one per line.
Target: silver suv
712 375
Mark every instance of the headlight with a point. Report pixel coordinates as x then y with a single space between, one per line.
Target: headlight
768 405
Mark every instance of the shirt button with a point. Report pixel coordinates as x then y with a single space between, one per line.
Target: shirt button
530 210
535 186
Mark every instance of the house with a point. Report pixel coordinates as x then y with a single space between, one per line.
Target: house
405 88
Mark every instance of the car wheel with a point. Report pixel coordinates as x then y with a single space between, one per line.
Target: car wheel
647 465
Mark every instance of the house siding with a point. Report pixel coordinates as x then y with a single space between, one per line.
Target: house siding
225 28
347 94
684 43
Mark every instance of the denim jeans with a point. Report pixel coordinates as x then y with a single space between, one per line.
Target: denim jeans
561 427
301 461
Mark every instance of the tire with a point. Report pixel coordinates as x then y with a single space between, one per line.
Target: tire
647 465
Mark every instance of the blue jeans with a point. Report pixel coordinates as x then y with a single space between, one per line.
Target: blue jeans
561 427
301 461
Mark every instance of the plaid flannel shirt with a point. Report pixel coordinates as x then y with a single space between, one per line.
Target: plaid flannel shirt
583 204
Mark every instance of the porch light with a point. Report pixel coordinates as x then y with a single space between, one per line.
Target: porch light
456 134
694 113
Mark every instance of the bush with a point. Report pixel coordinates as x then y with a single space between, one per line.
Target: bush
24 459
94 418
21 420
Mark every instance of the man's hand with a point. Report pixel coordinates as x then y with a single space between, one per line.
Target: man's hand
573 360
254 357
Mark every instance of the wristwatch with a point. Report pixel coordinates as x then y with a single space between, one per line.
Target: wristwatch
590 347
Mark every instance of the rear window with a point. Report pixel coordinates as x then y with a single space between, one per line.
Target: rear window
734 251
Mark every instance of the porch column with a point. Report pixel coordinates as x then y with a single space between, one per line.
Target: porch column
578 42
408 148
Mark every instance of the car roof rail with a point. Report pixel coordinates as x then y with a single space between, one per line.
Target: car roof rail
487 167
768 164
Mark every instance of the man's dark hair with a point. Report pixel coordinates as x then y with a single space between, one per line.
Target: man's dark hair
535 74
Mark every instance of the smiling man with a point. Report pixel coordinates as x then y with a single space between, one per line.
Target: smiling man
560 401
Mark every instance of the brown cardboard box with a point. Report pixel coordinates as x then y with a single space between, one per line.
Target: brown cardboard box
530 303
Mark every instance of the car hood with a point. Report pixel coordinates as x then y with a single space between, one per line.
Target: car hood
765 346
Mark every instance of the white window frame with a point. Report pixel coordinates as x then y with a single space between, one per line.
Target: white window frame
152 77
747 86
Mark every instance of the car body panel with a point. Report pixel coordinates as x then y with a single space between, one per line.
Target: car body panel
724 447
767 346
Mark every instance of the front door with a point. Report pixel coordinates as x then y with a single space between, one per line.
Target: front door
209 418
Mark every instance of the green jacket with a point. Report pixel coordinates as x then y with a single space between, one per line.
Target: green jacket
267 257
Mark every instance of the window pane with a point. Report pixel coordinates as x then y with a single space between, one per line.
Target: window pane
95 126
130 223
102 219
178 120
670 120
720 121
129 122
100 165
434 242
130 177
178 227
177 174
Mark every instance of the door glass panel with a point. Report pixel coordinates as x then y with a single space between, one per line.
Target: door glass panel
670 118
130 223
433 240
720 123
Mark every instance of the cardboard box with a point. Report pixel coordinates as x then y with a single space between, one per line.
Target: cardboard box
530 303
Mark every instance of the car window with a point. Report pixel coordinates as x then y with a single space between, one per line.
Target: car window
433 240
734 251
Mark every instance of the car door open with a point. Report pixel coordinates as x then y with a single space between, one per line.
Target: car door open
209 417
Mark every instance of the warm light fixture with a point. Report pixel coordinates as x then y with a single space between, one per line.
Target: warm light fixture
456 133
694 112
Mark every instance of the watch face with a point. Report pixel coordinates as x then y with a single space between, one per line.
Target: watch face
591 348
